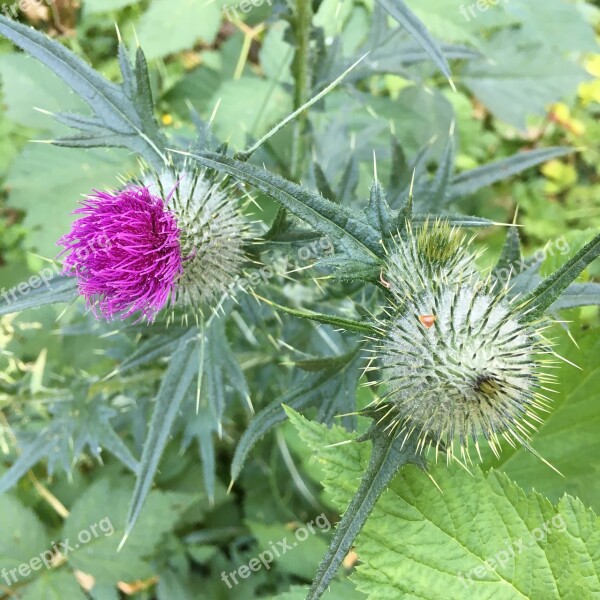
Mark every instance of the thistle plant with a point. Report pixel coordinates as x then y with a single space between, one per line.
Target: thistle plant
455 364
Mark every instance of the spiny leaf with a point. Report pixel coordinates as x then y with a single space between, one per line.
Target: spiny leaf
510 258
345 227
58 289
306 393
550 290
436 196
389 454
470 181
32 453
409 21
124 118
378 212
182 370
333 320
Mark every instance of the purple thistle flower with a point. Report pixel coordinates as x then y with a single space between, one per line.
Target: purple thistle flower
125 251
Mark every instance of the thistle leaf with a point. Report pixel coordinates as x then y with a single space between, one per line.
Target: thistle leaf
324 384
470 181
550 290
182 370
510 258
344 226
332 320
58 289
409 21
122 110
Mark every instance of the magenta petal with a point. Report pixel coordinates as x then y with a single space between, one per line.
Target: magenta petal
125 251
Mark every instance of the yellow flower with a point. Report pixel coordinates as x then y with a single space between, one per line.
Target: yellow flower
561 114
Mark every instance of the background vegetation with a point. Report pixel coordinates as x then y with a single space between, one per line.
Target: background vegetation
527 78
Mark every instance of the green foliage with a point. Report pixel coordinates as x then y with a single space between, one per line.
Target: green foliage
488 534
145 425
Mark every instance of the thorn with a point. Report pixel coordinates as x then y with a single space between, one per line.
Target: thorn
122 542
118 33
230 487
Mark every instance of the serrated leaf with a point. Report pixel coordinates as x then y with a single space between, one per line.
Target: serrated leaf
409 21
570 431
421 543
52 585
59 289
470 181
100 513
312 389
118 113
182 370
550 290
22 536
388 456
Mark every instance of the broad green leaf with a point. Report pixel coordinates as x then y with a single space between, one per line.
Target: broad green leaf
92 7
470 181
568 438
550 290
182 370
96 524
169 27
57 288
408 20
389 454
22 537
54 584
481 537
516 78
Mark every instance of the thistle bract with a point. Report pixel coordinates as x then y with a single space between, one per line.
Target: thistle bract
457 358
213 233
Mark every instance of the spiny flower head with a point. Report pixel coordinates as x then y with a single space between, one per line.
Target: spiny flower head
125 251
175 238
457 357
214 231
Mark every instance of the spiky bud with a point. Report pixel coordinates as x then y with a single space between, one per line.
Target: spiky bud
456 357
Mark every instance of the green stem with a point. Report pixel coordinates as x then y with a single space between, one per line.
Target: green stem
301 69
389 455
